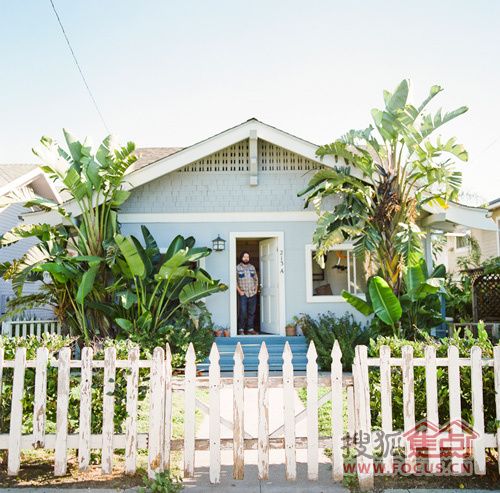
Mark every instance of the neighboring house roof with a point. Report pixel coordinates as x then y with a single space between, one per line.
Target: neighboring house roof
10 172
18 176
458 215
494 204
159 161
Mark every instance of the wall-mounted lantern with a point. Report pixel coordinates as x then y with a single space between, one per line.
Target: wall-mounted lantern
219 245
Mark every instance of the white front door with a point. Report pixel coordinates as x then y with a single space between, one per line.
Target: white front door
269 282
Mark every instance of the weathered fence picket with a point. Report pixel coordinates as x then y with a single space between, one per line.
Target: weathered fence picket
108 410
156 413
337 414
42 358
238 414
131 408
189 412
168 407
214 426
61 448
85 409
289 414
16 414
263 397
334 387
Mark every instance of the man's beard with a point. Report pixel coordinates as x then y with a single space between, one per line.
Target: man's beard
246 261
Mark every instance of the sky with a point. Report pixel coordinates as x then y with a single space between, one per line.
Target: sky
170 73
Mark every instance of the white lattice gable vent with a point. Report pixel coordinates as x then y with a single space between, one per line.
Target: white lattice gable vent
236 158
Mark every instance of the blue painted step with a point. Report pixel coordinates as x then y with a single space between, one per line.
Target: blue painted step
251 347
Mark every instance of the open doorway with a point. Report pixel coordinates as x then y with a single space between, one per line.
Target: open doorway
266 255
251 245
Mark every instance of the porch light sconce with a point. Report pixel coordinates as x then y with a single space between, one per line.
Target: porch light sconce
219 245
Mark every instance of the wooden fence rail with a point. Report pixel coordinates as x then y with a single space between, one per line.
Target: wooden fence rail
349 397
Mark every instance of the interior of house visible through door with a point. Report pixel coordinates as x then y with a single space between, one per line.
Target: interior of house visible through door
264 253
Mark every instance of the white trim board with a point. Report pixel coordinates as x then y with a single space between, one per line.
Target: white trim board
233 236
217 217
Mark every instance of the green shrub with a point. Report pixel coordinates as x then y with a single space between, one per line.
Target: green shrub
328 328
164 482
464 345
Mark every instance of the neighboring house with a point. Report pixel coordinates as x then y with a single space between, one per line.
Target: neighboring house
241 185
459 245
22 180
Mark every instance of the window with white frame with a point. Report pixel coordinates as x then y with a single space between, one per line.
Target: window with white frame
342 271
498 236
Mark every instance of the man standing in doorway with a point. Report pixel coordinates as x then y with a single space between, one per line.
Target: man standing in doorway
247 286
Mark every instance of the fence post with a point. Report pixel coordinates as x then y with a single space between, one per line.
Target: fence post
263 439
85 409
62 412
289 414
312 413
42 356
16 415
189 411
337 414
156 412
238 414
363 419
131 406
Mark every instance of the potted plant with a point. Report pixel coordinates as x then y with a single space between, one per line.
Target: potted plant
218 331
226 332
290 329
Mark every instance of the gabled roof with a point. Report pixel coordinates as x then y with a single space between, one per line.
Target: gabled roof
182 157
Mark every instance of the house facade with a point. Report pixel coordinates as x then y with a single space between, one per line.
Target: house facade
242 186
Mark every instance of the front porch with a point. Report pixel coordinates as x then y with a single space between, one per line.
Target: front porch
251 347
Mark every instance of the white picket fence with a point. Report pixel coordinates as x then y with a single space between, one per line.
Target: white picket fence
341 390
24 328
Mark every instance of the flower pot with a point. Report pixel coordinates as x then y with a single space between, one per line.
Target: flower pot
290 330
217 333
226 333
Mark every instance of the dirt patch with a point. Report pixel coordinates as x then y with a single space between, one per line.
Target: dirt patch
37 470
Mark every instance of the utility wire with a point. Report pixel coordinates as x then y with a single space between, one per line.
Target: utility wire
78 66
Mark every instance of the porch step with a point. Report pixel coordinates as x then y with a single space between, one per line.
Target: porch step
251 347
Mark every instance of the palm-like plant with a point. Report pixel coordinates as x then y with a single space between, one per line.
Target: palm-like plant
398 166
72 251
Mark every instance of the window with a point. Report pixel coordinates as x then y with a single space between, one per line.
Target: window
462 243
342 271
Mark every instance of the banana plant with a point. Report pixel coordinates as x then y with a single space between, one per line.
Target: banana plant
72 249
157 286
396 166
419 308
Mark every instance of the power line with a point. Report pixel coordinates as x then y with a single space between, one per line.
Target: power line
78 66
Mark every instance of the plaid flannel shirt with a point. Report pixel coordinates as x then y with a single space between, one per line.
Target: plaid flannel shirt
247 278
